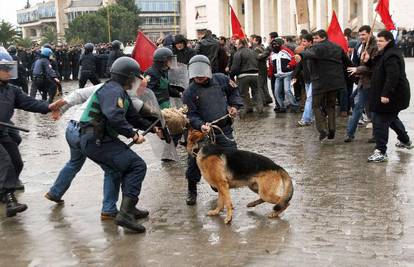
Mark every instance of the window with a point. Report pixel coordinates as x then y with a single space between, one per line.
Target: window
201 12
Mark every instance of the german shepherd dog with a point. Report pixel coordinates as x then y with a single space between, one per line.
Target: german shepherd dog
224 169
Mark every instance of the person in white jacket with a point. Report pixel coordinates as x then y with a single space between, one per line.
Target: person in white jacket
77 159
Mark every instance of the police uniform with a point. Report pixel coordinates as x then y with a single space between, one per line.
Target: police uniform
11 163
43 75
206 103
159 84
88 70
21 80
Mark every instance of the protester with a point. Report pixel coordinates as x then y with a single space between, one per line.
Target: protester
389 94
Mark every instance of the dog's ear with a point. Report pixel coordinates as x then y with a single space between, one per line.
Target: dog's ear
194 136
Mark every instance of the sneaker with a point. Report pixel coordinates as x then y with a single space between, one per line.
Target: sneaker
323 136
303 123
377 156
404 145
348 139
361 122
365 118
52 198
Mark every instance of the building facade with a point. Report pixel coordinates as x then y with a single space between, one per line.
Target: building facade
264 16
158 16
161 17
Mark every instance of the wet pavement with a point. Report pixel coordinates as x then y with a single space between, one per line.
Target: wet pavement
344 212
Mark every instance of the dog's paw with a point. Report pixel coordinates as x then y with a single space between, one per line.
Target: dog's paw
227 220
213 212
273 214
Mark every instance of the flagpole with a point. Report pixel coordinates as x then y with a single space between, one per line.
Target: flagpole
109 23
372 31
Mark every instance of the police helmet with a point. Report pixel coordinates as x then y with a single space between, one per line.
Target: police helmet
8 65
47 45
162 54
199 66
12 50
89 47
126 67
46 52
116 44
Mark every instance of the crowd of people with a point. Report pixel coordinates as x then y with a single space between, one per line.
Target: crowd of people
227 77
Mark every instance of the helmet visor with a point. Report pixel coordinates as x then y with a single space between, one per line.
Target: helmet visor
172 62
199 69
8 70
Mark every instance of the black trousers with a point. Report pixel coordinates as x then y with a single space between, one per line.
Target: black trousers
324 108
45 87
381 123
85 76
11 164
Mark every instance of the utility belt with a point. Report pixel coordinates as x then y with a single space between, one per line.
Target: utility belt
98 132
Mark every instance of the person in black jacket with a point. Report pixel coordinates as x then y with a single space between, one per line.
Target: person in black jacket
87 63
327 77
115 53
45 77
11 164
389 94
244 66
180 49
209 47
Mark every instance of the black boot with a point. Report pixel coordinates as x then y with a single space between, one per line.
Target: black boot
192 193
19 185
140 214
126 217
13 207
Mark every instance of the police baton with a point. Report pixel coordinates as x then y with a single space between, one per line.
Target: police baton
14 127
146 131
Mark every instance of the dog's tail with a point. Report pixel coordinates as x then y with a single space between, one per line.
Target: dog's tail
287 191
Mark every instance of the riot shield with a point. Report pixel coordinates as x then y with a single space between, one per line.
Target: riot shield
179 76
162 149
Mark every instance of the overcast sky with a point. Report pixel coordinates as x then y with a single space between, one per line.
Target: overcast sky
401 10
8 9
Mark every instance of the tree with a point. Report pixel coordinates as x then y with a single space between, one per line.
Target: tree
124 23
129 4
24 42
93 28
88 28
8 33
49 35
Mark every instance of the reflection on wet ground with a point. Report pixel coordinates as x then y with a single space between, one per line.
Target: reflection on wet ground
344 212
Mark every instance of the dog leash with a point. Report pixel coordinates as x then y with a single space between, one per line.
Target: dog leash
212 135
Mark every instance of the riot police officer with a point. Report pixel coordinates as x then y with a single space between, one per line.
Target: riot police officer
44 77
115 53
88 67
11 163
208 98
109 113
21 80
157 76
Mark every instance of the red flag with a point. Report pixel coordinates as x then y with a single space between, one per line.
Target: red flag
383 9
143 51
236 27
335 34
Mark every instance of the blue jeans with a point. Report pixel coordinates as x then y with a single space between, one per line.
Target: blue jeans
307 115
361 101
73 166
285 79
